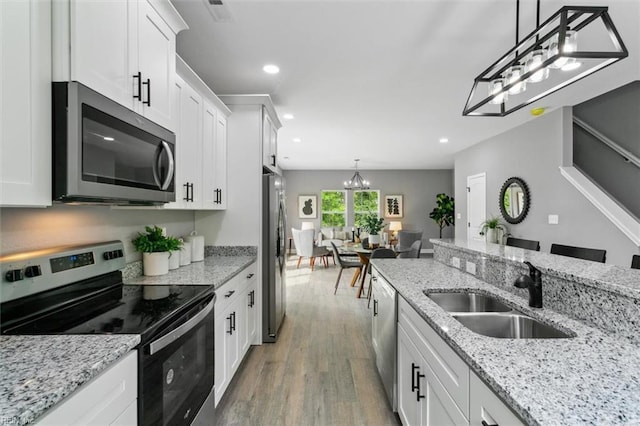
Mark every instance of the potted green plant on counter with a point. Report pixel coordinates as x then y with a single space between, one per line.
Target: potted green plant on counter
442 214
490 229
156 249
372 224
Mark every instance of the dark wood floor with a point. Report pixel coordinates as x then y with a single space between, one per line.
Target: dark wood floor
322 369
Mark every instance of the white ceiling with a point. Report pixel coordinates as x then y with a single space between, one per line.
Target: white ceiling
378 80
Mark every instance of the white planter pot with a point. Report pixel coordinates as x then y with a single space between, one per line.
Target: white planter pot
374 239
492 236
174 259
155 263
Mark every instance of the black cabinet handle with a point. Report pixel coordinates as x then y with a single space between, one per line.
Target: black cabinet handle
273 160
252 298
418 396
229 293
230 331
191 196
375 308
249 276
487 424
218 196
148 84
413 377
234 321
189 187
139 78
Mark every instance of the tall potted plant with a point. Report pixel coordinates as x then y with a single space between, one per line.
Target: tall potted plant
490 228
442 214
373 225
155 248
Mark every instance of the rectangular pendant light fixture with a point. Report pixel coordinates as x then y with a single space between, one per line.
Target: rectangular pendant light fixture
573 43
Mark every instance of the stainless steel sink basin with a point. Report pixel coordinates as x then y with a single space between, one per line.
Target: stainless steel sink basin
468 302
509 326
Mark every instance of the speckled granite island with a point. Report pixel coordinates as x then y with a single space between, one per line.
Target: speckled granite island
592 378
37 372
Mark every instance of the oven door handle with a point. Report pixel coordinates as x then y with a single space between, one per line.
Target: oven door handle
174 335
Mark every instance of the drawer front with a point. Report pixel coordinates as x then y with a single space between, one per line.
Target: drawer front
487 408
229 291
448 367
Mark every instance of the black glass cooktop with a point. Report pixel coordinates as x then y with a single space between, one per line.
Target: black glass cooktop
101 307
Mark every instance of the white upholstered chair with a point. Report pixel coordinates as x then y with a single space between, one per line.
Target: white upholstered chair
305 247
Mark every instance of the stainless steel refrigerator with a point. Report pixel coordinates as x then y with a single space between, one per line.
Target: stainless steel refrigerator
273 256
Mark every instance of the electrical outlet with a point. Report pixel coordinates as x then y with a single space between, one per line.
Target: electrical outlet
471 268
553 219
455 262
459 216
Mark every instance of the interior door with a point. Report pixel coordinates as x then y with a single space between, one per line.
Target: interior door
476 205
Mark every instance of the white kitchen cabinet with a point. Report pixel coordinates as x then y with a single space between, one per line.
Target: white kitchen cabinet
383 332
252 311
214 159
25 96
124 50
422 399
486 408
109 399
231 327
269 141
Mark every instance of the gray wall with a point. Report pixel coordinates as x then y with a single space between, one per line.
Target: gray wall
27 229
418 188
615 114
534 152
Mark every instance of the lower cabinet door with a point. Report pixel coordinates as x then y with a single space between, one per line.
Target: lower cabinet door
440 410
409 403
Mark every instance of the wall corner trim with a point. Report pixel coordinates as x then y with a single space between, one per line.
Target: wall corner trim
603 202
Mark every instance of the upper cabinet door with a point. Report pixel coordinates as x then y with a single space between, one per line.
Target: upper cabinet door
25 99
101 53
156 46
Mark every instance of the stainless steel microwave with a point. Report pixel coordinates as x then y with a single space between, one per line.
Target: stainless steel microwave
106 153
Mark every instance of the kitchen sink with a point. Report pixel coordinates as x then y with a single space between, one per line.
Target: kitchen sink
468 302
509 326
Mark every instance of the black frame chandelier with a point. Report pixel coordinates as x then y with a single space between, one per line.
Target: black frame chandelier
356 182
573 43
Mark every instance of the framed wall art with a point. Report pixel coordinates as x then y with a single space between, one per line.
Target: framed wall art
307 206
393 206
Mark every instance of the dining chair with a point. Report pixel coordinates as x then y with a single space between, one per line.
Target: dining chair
365 243
406 238
635 261
379 253
595 255
344 264
413 252
305 247
522 243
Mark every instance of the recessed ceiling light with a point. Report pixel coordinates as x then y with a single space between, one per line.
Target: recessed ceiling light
444 140
271 69
287 116
297 140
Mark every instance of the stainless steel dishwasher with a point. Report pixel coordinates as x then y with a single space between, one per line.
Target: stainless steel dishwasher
383 333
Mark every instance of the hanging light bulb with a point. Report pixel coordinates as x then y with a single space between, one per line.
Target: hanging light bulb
570 45
535 63
513 75
495 87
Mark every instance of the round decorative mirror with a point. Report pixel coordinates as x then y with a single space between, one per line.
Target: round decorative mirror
514 200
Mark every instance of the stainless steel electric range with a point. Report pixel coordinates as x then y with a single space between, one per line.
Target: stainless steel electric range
79 290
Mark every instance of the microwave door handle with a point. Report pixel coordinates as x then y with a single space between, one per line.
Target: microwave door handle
169 178
163 147
167 339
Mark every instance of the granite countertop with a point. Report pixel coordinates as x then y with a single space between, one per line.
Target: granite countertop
37 372
213 271
624 281
588 379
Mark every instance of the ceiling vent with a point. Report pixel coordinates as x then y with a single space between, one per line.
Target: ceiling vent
219 11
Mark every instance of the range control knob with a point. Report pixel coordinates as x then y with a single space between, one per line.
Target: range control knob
13 275
33 271
107 255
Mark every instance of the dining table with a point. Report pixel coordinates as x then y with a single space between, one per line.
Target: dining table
364 254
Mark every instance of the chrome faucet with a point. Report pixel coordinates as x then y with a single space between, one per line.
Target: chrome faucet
533 282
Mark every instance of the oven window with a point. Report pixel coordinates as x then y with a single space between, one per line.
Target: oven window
181 371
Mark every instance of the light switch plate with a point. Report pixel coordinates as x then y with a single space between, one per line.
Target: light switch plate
471 268
459 216
455 262
553 219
